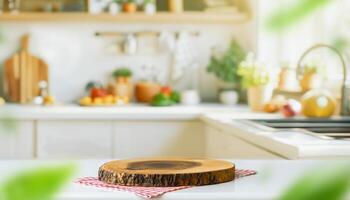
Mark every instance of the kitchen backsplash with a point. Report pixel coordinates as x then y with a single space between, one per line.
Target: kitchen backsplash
75 55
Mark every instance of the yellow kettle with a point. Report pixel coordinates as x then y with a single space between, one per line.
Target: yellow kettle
318 103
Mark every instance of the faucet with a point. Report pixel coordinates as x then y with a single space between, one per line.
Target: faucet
344 109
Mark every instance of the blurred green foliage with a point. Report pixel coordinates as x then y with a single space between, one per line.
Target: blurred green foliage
36 184
289 15
1 37
325 183
341 43
7 121
225 66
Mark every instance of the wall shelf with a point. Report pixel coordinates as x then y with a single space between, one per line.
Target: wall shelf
160 17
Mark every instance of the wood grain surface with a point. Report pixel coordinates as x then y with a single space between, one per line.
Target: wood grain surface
166 172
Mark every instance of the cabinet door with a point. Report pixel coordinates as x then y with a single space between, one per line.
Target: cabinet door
146 139
74 139
16 142
223 145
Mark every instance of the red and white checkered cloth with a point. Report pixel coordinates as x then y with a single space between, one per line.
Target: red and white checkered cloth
146 192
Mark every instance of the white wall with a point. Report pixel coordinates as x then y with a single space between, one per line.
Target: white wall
76 56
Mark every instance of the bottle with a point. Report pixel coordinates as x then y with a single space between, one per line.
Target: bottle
176 6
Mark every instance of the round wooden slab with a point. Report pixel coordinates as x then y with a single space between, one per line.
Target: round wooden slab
166 172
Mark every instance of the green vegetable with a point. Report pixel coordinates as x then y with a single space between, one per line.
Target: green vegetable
122 72
37 184
175 96
225 67
291 14
92 84
330 183
162 100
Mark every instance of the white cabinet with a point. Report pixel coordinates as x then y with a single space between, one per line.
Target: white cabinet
162 138
16 142
74 139
223 145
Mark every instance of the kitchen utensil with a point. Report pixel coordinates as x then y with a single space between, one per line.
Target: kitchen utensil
318 103
166 172
22 74
130 44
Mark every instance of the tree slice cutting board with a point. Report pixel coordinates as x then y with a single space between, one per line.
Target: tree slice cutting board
166 172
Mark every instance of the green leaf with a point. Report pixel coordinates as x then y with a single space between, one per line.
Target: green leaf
225 67
330 183
292 14
340 43
37 184
122 72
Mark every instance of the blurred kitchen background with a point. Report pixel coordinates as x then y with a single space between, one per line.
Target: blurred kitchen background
75 55
169 42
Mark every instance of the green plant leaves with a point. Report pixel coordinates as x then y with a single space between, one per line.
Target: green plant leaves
225 66
37 184
292 14
122 72
331 183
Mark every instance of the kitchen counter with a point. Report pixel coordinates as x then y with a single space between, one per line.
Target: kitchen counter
129 112
272 179
169 121
287 144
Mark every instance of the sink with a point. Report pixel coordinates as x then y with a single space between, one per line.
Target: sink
321 128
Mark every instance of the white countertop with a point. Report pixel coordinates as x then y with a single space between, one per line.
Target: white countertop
129 112
272 179
288 144
291 145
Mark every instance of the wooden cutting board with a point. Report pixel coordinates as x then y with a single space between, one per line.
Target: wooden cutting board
166 172
22 74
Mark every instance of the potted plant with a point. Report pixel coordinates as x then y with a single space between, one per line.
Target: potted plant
122 74
122 86
129 6
149 7
115 7
256 78
225 67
